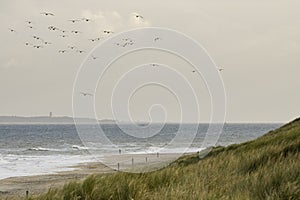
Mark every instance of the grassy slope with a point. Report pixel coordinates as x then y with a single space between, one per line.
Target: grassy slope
266 168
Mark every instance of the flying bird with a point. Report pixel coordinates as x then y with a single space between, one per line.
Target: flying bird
63 31
86 19
156 39
29 22
53 28
138 16
76 32
194 71
28 44
46 43
107 32
72 47
63 36
47 14
80 51
86 94
94 57
95 39
12 30
38 46
37 37
62 51
74 20
31 27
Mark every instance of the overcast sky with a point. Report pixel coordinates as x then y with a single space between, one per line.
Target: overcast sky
256 42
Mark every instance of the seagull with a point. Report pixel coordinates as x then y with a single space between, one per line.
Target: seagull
47 43
95 39
53 28
31 27
62 51
63 31
86 94
12 30
86 19
80 51
220 69
74 20
38 46
107 32
156 39
94 57
47 14
194 71
154 65
37 37
76 32
71 47
29 22
138 16
63 36
28 44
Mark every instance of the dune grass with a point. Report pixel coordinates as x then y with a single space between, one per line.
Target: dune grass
265 168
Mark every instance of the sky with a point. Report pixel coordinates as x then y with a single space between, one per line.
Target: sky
256 42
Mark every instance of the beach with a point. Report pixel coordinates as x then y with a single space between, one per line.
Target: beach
17 186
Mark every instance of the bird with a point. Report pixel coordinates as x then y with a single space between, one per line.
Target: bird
62 51
80 51
95 39
53 28
38 46
107 32
37 37
63 31
63 36
138 16
31 27
194 71
74 20
154 65
220 69
86 94
156 39
47 43
47 14
28 44
29 22
71 47
12 30
76 32
86 19
94 57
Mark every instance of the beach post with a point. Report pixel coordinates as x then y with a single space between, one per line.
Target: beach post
27 194
120 151
118 166
132 161
157 154
146 159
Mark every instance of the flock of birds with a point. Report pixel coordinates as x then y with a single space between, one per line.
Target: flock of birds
42 43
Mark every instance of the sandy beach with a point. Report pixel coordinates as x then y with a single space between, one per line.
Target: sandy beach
17 186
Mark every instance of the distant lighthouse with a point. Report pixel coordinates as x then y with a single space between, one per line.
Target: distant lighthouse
50 114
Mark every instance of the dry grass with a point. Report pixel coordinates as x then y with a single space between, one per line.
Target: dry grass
266 168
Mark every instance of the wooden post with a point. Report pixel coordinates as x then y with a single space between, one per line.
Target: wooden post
132 161
118 166
27 194
146 159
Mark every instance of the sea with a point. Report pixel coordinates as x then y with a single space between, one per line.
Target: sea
27 150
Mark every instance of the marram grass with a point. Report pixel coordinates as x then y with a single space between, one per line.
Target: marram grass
265 168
